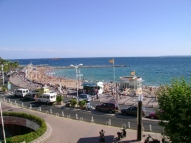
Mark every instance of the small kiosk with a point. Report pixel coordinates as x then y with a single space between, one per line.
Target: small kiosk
131 83
93 87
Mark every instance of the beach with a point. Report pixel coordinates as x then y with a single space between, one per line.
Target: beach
44 75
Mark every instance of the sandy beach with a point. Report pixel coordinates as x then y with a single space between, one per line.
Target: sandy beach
45 76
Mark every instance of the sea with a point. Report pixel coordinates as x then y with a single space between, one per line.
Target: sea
154 71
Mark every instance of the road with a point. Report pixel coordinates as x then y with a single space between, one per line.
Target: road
117 119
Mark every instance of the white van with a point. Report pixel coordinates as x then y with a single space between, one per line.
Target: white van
47 97
21 92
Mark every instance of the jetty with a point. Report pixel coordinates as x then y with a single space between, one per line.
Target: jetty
95 66
70 67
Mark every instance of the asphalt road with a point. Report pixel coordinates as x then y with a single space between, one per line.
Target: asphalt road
117 119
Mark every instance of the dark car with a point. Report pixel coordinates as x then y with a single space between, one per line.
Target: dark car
30 96
108 107
132 110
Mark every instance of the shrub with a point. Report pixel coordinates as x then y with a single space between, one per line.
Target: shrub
30 136
4 88
59 98
82 103
73 102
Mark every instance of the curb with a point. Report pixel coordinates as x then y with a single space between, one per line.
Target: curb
40 139
45 136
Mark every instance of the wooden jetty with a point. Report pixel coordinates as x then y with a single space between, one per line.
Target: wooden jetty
95 66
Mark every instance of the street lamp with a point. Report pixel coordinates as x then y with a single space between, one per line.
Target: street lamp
79 75
76 67
2 73
139 118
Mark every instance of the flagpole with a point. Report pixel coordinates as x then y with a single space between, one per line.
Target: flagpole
113 70
2 123
114 76
113 62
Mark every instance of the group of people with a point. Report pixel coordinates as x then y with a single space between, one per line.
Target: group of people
119 134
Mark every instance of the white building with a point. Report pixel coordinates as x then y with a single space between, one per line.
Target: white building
132 83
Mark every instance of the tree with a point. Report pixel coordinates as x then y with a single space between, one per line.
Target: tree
8 65
175 110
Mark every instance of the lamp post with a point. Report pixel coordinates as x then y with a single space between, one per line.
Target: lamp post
76 67
2 73
139 118
79 75
2 121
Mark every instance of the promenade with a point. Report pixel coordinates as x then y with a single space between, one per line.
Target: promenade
149 99
65 130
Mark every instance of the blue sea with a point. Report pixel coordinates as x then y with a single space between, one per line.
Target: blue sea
153 70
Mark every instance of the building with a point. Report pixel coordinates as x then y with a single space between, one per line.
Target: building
131 83
93 87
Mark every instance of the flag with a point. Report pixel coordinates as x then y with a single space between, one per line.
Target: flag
111 61
133 73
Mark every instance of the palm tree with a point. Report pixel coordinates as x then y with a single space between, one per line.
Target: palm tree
8 65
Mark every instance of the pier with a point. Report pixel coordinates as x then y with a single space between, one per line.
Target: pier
96 66
70 67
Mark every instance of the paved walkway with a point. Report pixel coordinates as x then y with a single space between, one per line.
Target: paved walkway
65 130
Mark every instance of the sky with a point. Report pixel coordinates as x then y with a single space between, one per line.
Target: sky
94 28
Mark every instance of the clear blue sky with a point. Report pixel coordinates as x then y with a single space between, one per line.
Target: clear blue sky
94 28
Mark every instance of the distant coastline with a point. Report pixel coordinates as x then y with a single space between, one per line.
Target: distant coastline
176 56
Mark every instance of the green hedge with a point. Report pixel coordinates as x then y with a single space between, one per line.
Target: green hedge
30 136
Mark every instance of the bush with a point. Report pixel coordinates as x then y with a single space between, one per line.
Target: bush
73 102
82 103
4 88
30 136
59 98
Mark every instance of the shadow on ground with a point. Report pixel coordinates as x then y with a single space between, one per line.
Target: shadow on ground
108 139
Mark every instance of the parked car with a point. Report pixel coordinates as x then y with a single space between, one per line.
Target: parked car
132 110
31 96
21 92
153 115
108 107
86 97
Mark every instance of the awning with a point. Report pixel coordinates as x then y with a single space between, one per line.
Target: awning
90 84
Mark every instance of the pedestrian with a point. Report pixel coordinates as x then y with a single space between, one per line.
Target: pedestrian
97 96
102 137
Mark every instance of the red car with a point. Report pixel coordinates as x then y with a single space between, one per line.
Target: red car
153 115
108 107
